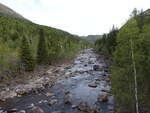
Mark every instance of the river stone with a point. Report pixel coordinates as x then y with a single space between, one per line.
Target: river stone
21 92
1 111
56 112
51 102
93 85
36 110
22 111
110 108
31 106
103 97
74 106
67 98
49 94
83 106
90 62
93 109
97 68
13 110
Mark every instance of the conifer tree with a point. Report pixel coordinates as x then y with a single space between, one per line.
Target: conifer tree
27 60
42 52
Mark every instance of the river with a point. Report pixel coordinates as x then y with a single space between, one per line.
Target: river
87 90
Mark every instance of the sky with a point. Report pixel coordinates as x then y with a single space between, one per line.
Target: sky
80 17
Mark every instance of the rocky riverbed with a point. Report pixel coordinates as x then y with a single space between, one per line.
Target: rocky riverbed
81 87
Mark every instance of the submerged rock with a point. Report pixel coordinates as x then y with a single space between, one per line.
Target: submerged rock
93 85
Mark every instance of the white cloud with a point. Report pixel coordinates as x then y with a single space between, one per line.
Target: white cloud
80 17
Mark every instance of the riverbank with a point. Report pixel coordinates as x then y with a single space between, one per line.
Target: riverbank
81 86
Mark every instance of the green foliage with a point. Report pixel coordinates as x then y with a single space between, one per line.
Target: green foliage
60 45
122 74
107 43
122 71
26 58
42 53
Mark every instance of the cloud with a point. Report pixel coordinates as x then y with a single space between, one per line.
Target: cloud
80 17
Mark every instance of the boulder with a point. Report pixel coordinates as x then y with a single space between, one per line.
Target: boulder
31 106
97 68
21 92
36 110
56 112
68 98
93 85
83 106
51 102
90 62
110 108
103 97
13 110
22 111
93 109
49 94
74 106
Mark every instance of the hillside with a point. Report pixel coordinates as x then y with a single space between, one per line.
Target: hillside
16 34
6 11
92 38
130 63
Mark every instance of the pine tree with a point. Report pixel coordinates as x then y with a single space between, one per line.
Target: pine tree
42 52
27 60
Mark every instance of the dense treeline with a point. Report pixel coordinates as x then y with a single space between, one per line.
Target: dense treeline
131 64
23 45
107 42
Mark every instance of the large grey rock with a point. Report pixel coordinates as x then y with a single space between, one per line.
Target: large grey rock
22 111
93 85
36 110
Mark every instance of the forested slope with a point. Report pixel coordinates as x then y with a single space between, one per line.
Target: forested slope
24 45
131 63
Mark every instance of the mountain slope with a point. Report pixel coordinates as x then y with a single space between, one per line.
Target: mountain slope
130 68
60 45
5 11
92 38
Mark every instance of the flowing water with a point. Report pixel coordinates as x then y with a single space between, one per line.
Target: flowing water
76 86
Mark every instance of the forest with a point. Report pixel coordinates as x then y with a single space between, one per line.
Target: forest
25 45
129 51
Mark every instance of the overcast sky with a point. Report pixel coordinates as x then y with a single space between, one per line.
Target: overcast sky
81 17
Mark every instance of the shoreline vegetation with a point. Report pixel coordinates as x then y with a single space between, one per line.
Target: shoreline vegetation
130 62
